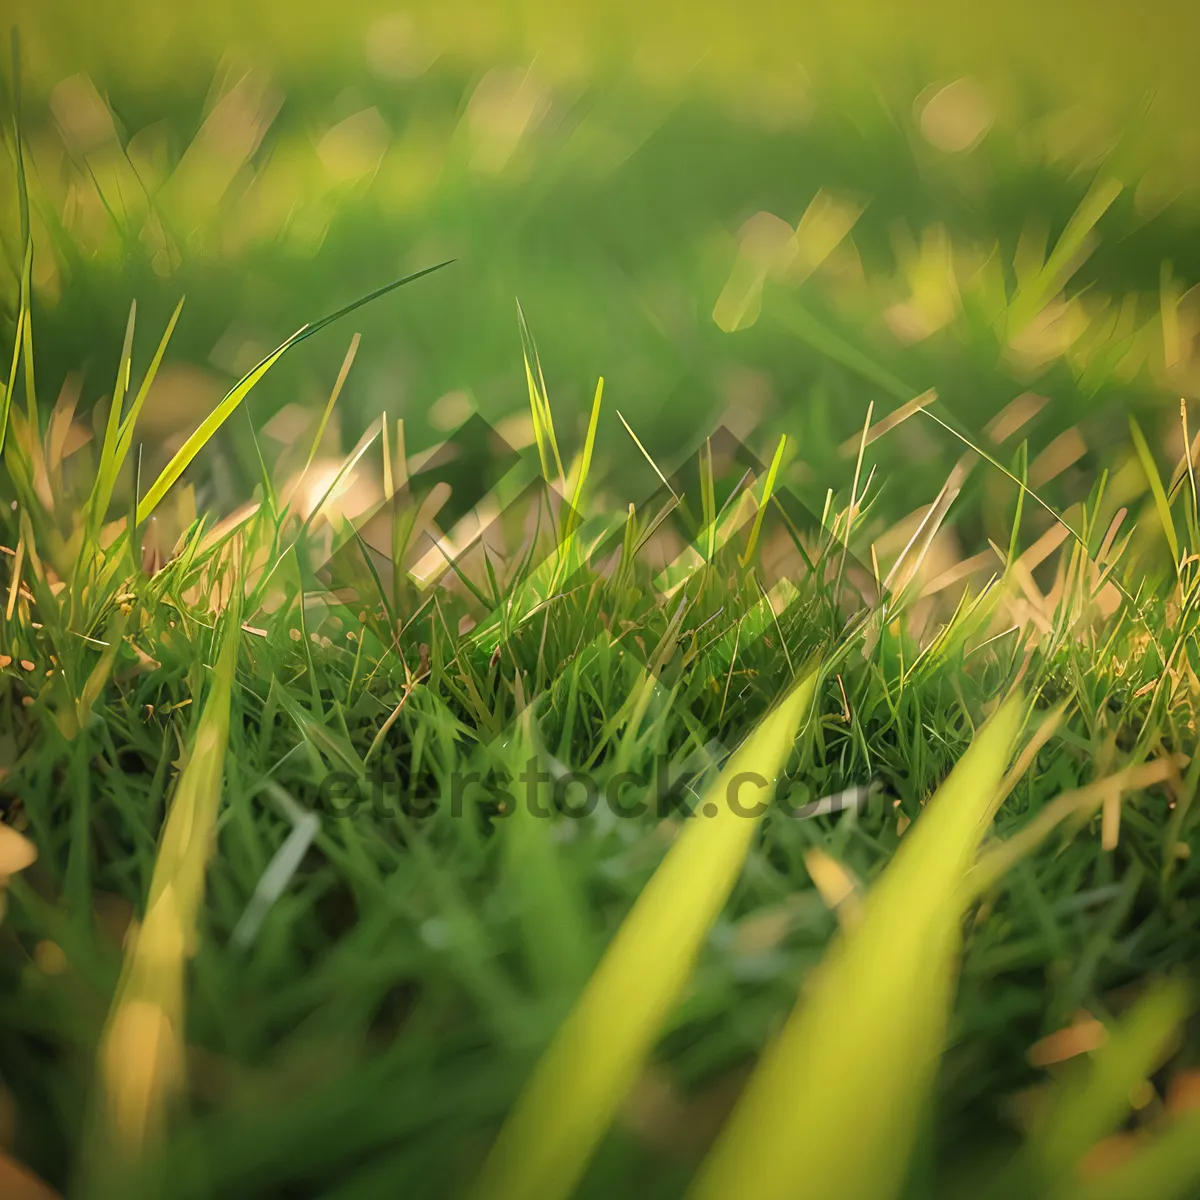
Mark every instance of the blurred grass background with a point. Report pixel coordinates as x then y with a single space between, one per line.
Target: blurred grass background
614 165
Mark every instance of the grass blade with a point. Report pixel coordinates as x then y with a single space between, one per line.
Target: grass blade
833 1108
1032 298
141 1052
539 404
582 1078
551 903
112 427
240 390
118 436
339 383
565 558
1156 488
768 491
585 465
10 386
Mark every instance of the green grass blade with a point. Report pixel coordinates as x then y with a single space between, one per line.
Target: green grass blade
1032 298
31 404
339 383
768 491
110 469
240 390
585 464
112 427
834 1106
539 404
1156 488
77 718
22 349
130 418
584 1075
566 556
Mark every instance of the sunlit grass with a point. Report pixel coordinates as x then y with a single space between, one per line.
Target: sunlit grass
595 1057
836 1104
385 999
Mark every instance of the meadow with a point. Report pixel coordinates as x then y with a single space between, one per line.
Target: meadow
591 609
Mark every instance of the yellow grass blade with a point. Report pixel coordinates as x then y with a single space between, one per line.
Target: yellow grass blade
567 557
768 490
11 386
834 1106
141 1051
323 423
389 487
539 405
585 463
586 1072
646 454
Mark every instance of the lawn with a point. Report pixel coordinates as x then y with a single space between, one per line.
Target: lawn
722 725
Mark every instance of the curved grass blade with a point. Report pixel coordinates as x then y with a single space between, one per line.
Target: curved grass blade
580 1081
834 1106
240 390
125 431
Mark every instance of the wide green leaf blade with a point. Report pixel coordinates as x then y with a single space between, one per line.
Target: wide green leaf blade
589 1067
833 1108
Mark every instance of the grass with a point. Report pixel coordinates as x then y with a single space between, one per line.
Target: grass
971 975
379 1021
